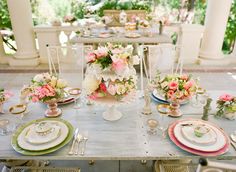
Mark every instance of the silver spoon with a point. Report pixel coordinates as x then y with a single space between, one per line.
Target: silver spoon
233 137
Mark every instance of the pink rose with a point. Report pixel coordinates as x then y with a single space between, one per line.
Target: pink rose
184 77
173 85
34 98
8 94
116 51
170 94
118 65
101 52
103 87
91 57
93 97
188 84
111 89
226 97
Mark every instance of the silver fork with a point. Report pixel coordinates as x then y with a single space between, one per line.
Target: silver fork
85 139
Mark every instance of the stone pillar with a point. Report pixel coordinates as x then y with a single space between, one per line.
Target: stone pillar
189 42
215 25
22 25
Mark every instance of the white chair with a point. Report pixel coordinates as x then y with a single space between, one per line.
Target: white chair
163 58
213 166
68 62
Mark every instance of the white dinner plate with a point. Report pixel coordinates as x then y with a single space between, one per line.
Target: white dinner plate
207 139
34 137
220 142
24 144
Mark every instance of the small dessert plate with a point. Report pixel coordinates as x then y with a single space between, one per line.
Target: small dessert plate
208 138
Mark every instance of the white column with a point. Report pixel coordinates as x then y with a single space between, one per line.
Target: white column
22 25
189 42
215 25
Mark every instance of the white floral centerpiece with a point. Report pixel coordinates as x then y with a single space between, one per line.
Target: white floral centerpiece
110 77
48 89
96 88
113 58
226 106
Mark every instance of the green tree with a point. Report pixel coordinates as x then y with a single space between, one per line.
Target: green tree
5 21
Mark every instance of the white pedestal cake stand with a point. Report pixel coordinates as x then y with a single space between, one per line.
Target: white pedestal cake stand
112 114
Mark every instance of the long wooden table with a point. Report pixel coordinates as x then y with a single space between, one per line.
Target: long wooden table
125 139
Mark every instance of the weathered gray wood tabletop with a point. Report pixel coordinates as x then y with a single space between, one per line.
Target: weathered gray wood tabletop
125 139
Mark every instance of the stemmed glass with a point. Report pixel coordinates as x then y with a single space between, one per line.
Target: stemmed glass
200 98
76 93
20 111
163 111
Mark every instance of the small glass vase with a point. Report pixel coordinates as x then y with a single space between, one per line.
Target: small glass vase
230 115
52 111
175 109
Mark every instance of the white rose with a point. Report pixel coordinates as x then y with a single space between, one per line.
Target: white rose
38 78
120 89
129 49
135 60
61 83
53 81
90 84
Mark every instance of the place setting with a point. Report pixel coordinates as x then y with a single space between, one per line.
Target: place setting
42 136
199 137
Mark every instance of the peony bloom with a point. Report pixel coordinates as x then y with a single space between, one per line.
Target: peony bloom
101 52
90 84
91 57
173 85
118 65
188 84
226 97
111 89
103 87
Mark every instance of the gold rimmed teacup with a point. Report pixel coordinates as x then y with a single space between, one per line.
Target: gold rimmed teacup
17 109
163 108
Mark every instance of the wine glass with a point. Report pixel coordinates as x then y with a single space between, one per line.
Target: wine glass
152 124
163 111
76 93
200 98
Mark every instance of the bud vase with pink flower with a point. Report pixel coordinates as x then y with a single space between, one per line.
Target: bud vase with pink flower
48 89
176 89
226 106
4 96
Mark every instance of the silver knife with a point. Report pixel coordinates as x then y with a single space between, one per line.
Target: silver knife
71 152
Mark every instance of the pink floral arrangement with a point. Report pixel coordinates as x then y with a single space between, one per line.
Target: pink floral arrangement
5 95
176 87
99 88
45 87
226 103
112 57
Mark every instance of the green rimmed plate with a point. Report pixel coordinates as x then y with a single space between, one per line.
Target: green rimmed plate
18 149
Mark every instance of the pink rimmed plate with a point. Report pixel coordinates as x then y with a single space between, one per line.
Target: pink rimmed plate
221 151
